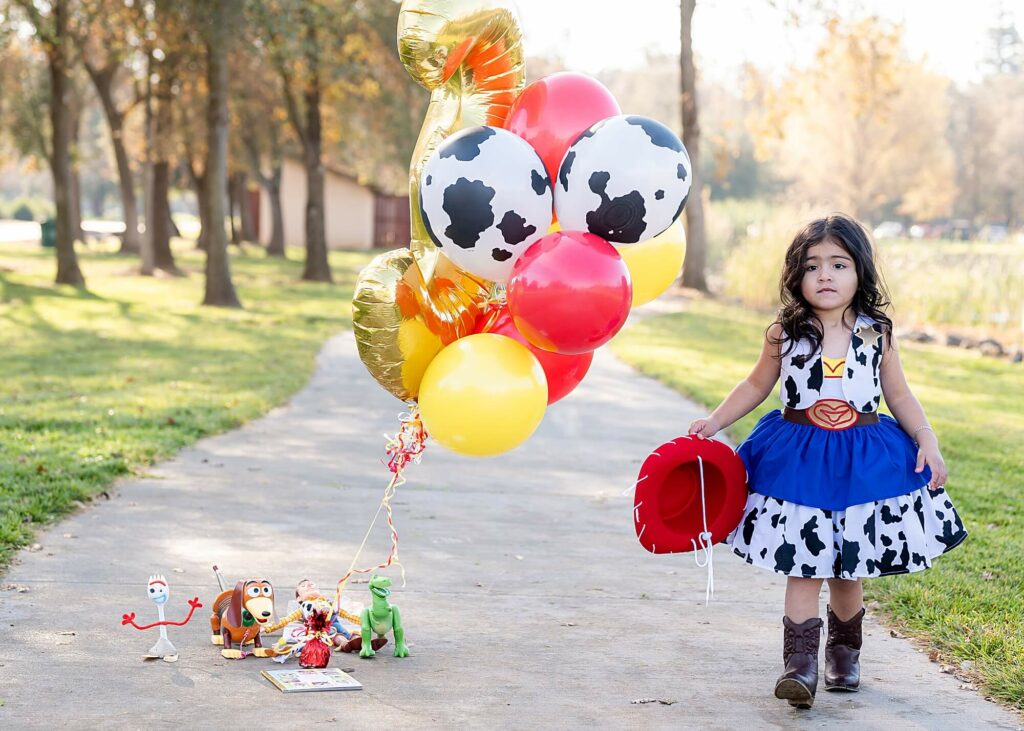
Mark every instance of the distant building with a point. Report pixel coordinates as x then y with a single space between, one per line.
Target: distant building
357 216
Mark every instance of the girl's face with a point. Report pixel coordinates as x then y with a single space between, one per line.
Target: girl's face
830 277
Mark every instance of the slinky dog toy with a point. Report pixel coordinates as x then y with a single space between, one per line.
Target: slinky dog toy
238 615
380 618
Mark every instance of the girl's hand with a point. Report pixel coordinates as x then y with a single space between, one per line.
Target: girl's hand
928 454
704 428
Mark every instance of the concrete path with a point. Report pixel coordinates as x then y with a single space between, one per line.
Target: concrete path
529 602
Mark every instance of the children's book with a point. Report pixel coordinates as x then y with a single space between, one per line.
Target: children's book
292 681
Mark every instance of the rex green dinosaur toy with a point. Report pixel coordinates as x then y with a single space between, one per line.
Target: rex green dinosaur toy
382 617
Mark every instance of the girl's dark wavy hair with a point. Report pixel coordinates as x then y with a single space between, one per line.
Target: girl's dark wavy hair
796 317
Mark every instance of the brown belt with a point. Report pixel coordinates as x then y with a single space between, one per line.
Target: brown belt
832 414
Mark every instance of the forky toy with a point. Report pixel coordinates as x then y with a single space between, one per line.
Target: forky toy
159 592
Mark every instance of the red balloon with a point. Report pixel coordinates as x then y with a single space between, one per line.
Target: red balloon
564 372
552 112
569 292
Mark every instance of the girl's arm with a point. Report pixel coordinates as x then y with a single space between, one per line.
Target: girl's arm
749 392
908 412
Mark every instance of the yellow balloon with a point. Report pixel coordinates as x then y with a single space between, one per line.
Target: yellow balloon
483 395
655 263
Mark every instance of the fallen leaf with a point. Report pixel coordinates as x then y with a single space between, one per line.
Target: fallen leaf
641 701
897 635
568 624
967 686
69 535
67 634
946 668
35 547
987 575
933 655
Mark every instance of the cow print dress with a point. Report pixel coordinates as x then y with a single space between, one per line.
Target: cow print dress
839 503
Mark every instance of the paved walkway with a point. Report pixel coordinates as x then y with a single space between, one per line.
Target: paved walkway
529 601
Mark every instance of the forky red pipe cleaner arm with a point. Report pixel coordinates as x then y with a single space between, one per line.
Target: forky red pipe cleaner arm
159 592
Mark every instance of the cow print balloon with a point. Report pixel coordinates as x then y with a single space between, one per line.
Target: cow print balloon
485 197
625 179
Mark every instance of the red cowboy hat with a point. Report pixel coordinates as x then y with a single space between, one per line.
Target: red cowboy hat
667 510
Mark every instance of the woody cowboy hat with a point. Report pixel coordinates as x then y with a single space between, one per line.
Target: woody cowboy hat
669 513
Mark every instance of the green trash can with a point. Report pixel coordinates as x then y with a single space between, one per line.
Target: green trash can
49 231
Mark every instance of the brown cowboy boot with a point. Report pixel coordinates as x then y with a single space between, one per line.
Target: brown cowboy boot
799 681
842 652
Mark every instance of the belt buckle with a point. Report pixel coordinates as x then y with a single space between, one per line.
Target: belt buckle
832 414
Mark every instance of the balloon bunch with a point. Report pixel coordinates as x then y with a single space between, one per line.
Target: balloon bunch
540 215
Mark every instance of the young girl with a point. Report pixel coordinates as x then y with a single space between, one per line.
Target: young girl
838 491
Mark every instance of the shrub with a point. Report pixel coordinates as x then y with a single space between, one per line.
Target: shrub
22 213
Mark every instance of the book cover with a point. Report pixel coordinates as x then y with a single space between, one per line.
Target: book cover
303 679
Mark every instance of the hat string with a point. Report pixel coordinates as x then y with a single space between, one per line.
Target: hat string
705 541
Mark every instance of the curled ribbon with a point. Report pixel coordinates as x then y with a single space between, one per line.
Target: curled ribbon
405 447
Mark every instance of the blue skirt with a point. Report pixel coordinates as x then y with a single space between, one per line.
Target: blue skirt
840 504
830 470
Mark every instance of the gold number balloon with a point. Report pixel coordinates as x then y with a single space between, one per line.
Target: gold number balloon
411 302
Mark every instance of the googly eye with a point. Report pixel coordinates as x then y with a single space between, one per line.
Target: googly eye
253 591
266 590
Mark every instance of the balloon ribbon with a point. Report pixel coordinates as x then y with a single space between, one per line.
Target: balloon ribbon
405 447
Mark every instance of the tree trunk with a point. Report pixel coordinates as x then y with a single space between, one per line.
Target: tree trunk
276 245
272 185
68 271
162 226
696 240
202 199
316 268
220 291
233 205
245 212
75 113
147 259
102 80
76 202
163 257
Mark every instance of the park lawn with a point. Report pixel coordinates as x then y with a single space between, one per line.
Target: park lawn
970 605
103 382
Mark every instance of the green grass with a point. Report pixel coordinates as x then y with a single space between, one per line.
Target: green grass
100 383
970 605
